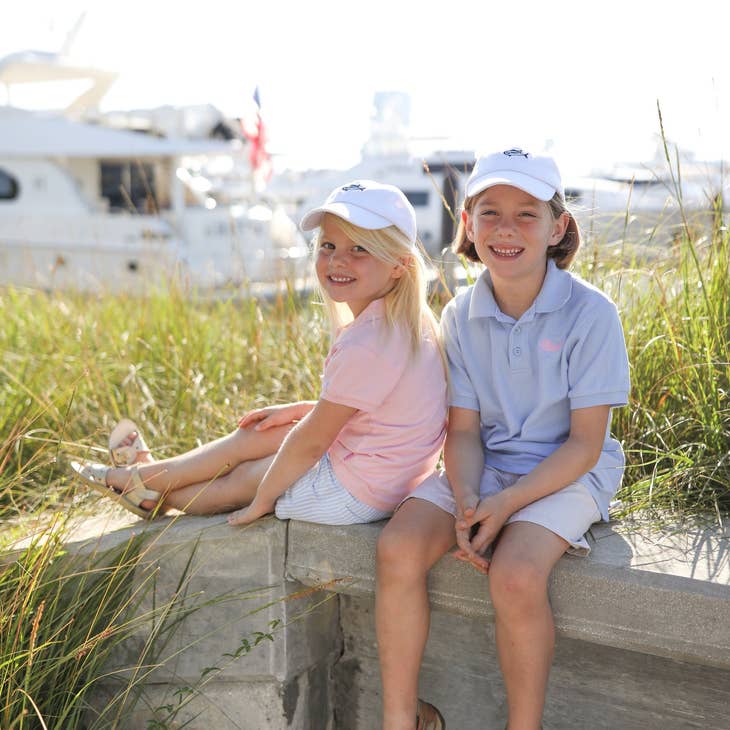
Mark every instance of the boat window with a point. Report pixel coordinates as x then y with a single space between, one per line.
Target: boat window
129 186
8 186
417 198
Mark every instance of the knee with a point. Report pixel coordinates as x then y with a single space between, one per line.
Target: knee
516 584
398 556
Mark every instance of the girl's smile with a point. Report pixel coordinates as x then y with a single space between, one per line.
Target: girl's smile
348 272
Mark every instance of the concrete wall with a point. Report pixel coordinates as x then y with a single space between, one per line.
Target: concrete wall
644 635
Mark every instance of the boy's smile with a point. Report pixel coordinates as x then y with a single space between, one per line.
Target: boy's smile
512 231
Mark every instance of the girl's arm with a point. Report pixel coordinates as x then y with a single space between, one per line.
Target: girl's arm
574 458
302 448
281 415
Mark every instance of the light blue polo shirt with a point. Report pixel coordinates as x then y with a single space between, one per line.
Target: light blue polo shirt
524 377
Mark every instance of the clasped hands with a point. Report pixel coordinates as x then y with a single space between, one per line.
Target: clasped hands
478 523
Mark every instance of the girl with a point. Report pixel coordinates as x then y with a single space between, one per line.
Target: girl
353 455
536 361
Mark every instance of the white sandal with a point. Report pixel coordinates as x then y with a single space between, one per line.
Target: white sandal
95 476
126 455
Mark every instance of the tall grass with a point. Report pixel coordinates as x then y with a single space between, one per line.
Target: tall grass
677 430
183 366
675 306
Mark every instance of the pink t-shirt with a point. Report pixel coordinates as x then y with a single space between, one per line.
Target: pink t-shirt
392 443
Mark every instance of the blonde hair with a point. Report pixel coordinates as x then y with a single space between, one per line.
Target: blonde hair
406 303
562 252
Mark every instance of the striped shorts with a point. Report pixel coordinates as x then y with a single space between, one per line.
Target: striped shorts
318 496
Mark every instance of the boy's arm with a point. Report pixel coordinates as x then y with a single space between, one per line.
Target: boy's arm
574 458
464 454
464 463
302 448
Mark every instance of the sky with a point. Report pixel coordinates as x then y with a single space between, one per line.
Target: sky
581 79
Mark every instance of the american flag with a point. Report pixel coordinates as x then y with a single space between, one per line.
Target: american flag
252 126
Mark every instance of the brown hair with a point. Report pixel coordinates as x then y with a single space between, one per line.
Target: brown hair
562 252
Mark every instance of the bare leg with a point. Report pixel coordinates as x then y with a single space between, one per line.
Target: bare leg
203 464
523 560
224 494
418 534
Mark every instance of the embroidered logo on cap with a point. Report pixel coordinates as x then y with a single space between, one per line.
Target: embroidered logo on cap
516 152
354 186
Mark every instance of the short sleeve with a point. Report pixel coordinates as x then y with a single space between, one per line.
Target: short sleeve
598 366
362 377
461 390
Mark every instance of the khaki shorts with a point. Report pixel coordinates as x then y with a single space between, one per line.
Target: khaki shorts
568 512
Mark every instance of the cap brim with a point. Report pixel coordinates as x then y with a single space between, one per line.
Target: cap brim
352 213
536 188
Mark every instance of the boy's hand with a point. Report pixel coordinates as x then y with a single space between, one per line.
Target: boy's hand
465 510
489 518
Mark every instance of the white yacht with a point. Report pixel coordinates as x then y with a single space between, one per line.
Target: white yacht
92 207
637 202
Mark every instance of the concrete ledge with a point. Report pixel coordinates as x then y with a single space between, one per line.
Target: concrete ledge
659 591
644 639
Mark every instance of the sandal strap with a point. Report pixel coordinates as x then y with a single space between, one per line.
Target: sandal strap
139 492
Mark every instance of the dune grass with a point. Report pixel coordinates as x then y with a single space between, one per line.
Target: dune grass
185 368
675 306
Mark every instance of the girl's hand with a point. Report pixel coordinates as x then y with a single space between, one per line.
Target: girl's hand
250 514
263 418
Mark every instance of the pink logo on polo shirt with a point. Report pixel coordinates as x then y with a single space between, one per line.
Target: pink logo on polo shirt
548 345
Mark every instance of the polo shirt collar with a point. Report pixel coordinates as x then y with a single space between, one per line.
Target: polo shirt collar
375 310
554 294
556 289
482 302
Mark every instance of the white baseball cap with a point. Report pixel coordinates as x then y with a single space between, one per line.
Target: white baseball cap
538 176
368 204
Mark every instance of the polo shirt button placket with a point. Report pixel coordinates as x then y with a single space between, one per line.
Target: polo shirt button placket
518 361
